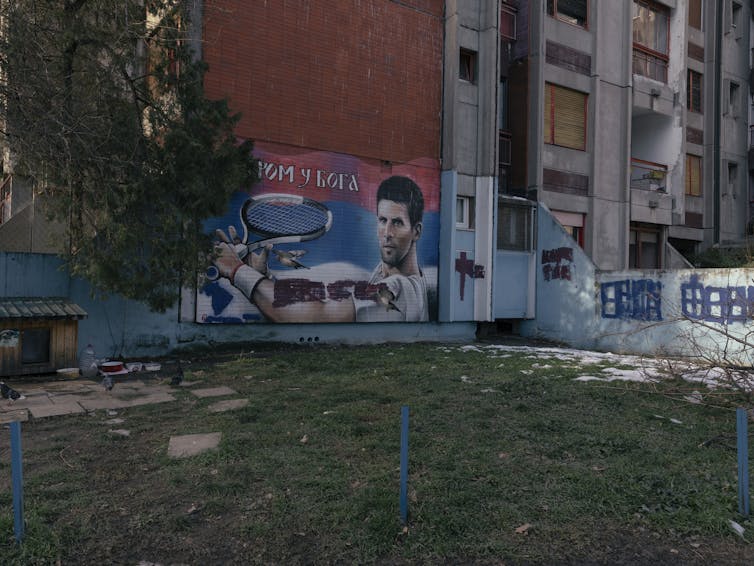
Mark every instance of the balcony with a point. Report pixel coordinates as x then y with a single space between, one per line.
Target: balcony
650 201
648 176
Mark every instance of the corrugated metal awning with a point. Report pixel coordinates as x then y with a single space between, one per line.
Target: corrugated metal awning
40 307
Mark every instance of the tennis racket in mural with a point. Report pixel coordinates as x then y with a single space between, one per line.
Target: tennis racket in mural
280 219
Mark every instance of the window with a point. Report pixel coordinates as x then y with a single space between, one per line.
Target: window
651 32
571 11
732 179
694 92
515 227
35 346
733 99
643 247
573 223
565 117
508 22
467 68
504 149
502 105
465 213
693 175
695 14
736 23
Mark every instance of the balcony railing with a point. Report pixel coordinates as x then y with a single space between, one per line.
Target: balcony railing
651 66
648 176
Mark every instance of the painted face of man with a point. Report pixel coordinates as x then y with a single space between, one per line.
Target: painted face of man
394 231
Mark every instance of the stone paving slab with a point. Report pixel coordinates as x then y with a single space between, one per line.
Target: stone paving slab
96 403
24 403
20 415
65 399
214 391
41 412
151 399
227 405
192 444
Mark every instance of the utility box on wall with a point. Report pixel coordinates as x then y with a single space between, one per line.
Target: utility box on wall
38 334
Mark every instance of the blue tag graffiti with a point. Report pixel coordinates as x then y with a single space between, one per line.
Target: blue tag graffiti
639 299
716 304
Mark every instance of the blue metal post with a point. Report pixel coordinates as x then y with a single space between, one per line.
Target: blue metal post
743 461
404 464
17 480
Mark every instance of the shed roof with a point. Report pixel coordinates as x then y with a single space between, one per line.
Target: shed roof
40 307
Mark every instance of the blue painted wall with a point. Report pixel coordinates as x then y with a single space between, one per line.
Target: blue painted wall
678 312
117 327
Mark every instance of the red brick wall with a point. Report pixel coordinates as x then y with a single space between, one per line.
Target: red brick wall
361 77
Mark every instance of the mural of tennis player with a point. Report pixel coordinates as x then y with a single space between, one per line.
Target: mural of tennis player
400 288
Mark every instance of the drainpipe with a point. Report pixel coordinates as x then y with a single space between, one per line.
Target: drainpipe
718 121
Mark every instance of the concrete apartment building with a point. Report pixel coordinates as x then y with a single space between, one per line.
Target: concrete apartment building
636 130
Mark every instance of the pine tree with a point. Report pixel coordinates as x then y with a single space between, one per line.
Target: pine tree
103 109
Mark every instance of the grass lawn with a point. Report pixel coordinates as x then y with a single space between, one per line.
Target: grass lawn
511 461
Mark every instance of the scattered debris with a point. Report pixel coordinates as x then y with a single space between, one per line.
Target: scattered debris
739 530
523 529
695 397
120 432
178 377
304 439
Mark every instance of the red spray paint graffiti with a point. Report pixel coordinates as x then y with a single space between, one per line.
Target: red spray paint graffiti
556 263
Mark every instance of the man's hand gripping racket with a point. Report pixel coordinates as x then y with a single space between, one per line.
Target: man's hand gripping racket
275 219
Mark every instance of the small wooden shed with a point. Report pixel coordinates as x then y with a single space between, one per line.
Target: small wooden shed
38 334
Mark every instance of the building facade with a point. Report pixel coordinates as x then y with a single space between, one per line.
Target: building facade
637 123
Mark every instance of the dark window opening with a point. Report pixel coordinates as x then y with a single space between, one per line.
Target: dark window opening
571 11
694 92
35 346
508 22
467 66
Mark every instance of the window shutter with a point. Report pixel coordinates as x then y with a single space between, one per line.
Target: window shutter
693 175
548 113
695 14
570 118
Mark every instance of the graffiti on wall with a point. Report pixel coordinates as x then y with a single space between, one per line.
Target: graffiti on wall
635 299
556 263
724 305
326 237
466 267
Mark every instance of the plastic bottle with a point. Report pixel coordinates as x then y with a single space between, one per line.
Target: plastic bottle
88 362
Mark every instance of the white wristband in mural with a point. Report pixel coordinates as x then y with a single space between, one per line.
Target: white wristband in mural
246 279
